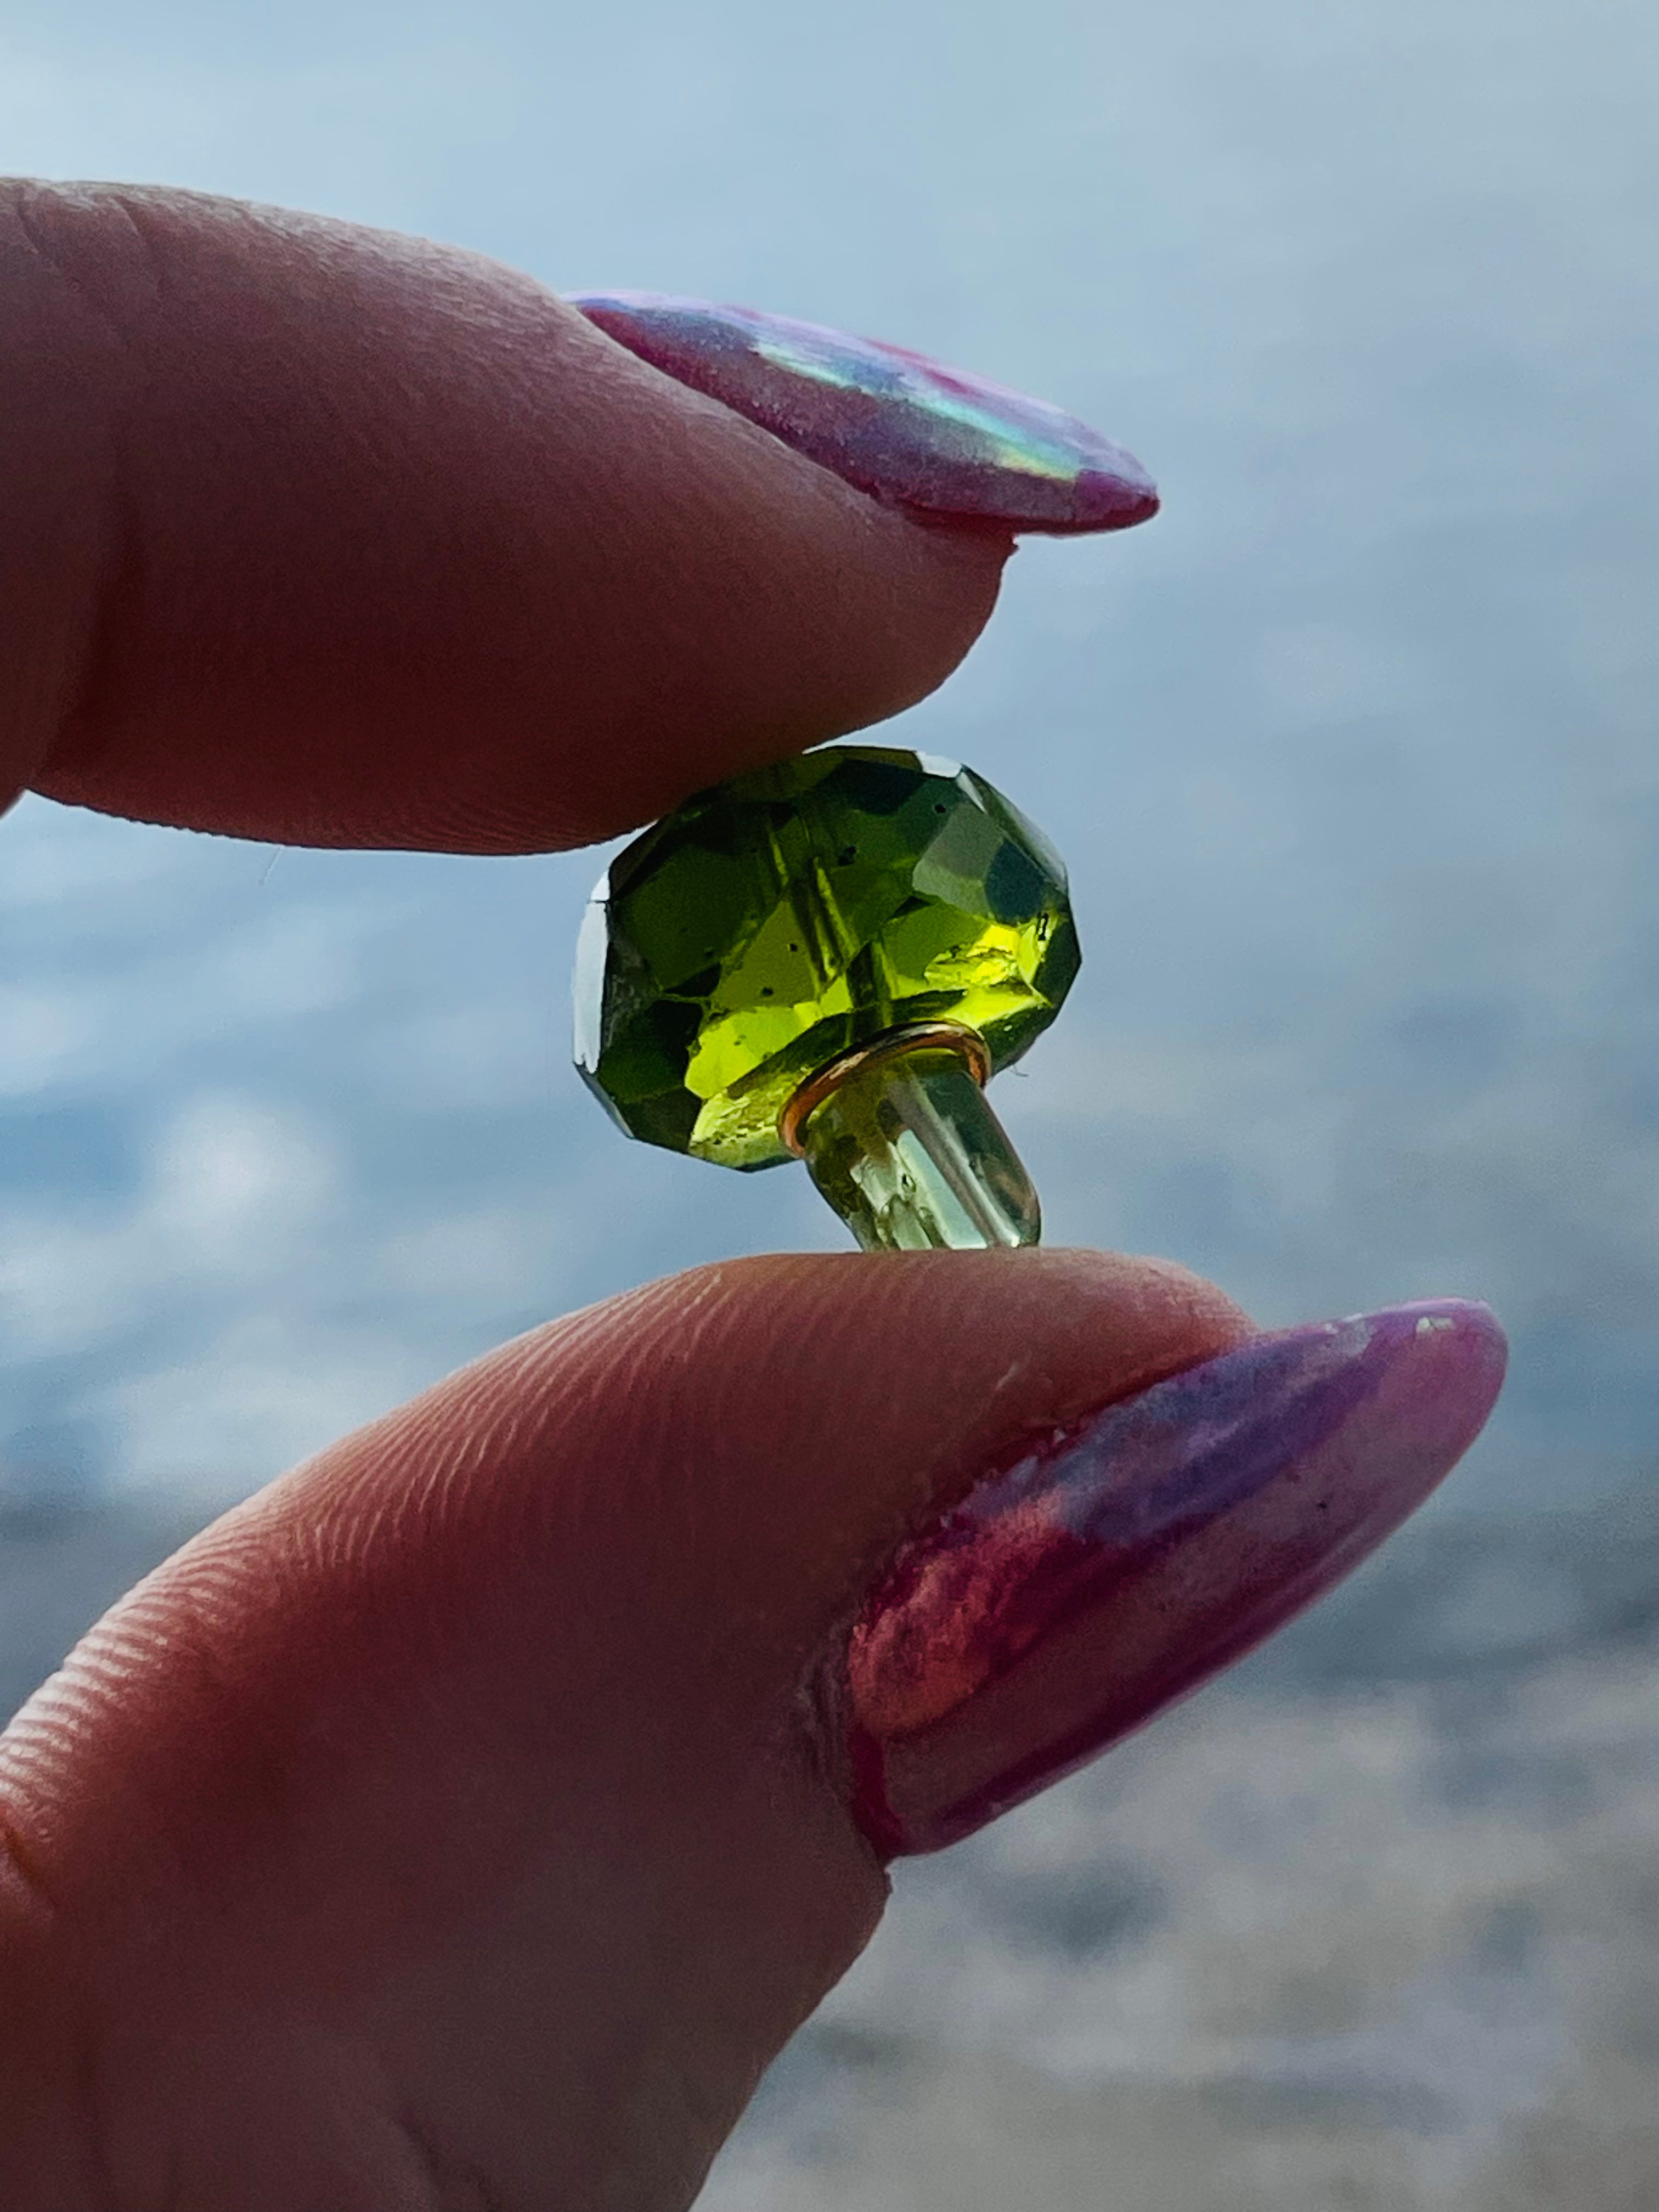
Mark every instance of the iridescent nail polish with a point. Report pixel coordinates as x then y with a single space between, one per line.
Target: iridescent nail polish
827 960
897 425
1115 1566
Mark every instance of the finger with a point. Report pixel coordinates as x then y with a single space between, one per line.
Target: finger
314 533
474 1805
483 1744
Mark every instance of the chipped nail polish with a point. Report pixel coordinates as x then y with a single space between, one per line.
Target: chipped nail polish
1114 1565
894 423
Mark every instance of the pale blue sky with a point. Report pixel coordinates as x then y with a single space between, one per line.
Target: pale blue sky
1352 753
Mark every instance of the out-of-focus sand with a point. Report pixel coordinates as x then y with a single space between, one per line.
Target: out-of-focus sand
1372 1923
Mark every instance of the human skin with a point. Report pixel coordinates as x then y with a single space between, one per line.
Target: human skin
453 1824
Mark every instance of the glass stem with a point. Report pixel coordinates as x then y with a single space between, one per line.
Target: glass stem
906 1149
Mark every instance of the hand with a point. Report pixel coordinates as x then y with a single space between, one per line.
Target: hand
468 1818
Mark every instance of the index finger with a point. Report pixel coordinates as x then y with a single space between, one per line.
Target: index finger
326 536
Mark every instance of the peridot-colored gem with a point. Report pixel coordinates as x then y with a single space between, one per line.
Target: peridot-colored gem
781 920
908 1153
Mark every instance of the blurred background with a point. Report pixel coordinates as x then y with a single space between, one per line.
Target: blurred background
1352 756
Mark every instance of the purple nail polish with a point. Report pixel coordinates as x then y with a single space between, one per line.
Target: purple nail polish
1115 1566
894 423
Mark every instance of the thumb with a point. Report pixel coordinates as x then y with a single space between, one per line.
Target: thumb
477 1810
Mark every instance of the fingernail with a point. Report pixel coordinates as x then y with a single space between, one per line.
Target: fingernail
1116 1564
894 423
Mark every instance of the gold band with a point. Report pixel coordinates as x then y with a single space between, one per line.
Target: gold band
913 1037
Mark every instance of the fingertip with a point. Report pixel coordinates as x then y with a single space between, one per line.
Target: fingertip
398 549
516 1699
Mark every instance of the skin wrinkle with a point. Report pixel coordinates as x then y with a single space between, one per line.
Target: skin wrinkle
445 2181
119 582
349 2152
177 1637
33 207
26 1868
56 456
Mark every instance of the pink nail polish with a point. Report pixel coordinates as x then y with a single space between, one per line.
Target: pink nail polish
895 424
1115 1566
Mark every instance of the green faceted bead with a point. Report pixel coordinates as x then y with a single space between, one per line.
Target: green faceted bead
786 918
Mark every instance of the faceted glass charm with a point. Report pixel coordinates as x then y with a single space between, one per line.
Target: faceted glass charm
788 917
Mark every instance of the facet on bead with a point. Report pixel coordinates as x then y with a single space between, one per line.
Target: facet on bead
790 915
